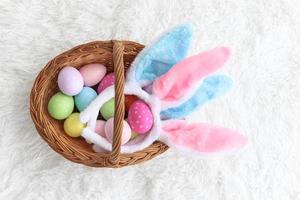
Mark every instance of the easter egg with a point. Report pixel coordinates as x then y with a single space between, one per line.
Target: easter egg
99 129
84 98
73 126
92 73
70 81
129 99
108 109
107 81
109 131
60 106
140 117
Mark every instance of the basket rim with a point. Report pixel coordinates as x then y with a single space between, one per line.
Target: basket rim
85 157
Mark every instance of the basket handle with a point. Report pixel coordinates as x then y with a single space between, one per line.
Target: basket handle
118 64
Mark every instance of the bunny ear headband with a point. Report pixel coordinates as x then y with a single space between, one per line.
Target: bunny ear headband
173 86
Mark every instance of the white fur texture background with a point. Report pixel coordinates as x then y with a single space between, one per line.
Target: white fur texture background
264 105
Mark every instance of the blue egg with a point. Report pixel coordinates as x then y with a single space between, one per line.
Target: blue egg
84 98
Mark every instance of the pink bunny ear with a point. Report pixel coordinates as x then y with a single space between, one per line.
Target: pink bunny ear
184 75
201 137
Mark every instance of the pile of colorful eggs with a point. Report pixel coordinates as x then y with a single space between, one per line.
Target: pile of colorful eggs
78 89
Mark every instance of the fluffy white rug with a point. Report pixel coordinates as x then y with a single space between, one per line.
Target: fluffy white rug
265 103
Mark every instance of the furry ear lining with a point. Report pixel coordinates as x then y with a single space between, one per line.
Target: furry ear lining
161 55
185 75
201 138
211 88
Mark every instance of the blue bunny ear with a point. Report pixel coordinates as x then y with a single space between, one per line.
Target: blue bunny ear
211 87
159 57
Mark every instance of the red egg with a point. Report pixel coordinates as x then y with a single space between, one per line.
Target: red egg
129 99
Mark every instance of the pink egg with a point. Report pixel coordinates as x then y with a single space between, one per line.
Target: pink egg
100 127
92 73
70 81
107 81
140 117
109 131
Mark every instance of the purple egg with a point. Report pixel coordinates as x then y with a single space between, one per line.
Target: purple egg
70 81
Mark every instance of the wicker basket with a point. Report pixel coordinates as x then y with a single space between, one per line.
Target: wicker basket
116 56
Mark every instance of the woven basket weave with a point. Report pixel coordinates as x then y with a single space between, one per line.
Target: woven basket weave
116 56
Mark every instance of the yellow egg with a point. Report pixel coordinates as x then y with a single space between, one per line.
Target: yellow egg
73 126
133 135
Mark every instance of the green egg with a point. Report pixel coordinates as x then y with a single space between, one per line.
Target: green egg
108 109
60 106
